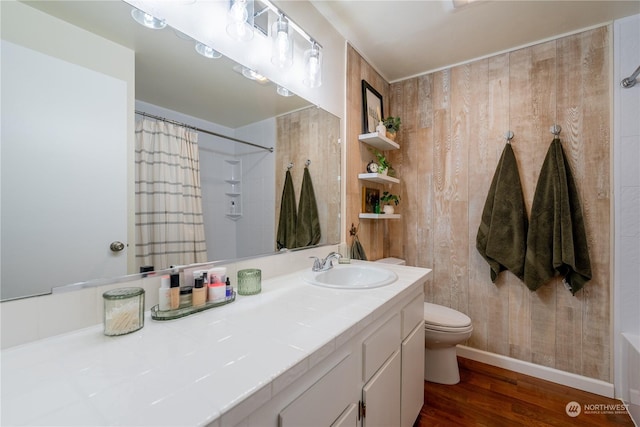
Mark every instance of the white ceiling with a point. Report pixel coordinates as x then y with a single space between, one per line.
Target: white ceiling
401 39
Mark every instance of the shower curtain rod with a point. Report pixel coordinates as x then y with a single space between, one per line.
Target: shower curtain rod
142 113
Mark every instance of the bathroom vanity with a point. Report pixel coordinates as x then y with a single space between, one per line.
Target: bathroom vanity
294 355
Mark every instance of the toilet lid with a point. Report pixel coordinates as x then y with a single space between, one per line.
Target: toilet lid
440 315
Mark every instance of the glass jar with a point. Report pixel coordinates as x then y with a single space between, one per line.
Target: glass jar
123 311
249 281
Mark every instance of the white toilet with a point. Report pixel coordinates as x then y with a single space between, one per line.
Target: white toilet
444 328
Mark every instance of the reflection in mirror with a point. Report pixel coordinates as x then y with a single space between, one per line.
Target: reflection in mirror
76 109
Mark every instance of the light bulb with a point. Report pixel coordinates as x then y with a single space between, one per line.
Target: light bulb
313 67
237 25
282 47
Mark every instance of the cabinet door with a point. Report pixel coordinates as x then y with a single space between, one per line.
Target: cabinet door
412 395
381 395
324 401
349 418
379 346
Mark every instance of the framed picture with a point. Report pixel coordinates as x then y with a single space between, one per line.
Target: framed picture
372 112
370 199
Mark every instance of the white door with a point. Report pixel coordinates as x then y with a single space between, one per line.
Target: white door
64 173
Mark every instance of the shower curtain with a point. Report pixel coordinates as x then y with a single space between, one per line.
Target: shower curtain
169 221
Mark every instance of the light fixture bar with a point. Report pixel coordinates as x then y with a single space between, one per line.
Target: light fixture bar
292 23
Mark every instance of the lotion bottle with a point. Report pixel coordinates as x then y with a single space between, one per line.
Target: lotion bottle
164 296
199 292
175 291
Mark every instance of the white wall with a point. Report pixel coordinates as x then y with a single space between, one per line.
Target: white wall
627 193
256 229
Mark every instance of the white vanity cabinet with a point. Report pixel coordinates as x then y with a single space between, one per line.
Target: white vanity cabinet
374 378
394 395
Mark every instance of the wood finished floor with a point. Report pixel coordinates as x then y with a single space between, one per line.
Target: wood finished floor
494 397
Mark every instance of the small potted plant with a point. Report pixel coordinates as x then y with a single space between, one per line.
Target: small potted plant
393 125
388 198
384 166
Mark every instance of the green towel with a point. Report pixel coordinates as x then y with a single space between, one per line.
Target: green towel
502 235
557 242
286 237
308 225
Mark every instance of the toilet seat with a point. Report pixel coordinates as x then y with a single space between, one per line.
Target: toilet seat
440 318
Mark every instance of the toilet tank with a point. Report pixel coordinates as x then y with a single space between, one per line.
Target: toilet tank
392 260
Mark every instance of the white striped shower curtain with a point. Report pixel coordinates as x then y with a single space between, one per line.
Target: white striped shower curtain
169 221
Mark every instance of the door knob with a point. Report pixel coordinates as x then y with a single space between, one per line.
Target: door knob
116 246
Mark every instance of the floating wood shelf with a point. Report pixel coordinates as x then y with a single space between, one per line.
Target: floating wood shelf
379 178
379 216
382 143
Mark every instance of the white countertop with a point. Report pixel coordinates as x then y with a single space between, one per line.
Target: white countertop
226 361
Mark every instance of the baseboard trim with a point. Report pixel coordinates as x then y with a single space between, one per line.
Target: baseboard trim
579 382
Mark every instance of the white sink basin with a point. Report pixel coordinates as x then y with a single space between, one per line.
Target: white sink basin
351 277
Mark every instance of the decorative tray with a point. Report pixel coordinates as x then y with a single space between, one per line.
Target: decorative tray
157 314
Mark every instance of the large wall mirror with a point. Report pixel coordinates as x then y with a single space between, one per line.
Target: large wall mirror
54 191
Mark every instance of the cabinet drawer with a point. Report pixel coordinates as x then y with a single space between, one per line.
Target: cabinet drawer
323 402
379 346
412 315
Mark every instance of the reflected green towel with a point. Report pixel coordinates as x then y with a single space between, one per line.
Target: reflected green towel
357 251
286 237
502 235
308 225
557 241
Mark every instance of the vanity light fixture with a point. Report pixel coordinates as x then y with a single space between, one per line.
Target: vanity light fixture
148 20
282 45
251 74
283 91
240 19
207 51
313 66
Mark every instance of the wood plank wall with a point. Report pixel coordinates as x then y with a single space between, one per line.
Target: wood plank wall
371 233
311 134
454 123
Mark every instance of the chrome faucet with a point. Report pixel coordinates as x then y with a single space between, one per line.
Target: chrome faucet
325 264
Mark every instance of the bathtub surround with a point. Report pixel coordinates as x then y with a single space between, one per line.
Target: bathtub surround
627 224
452 136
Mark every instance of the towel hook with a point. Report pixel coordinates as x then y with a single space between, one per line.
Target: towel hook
555 129
289 166
508 136
307 163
